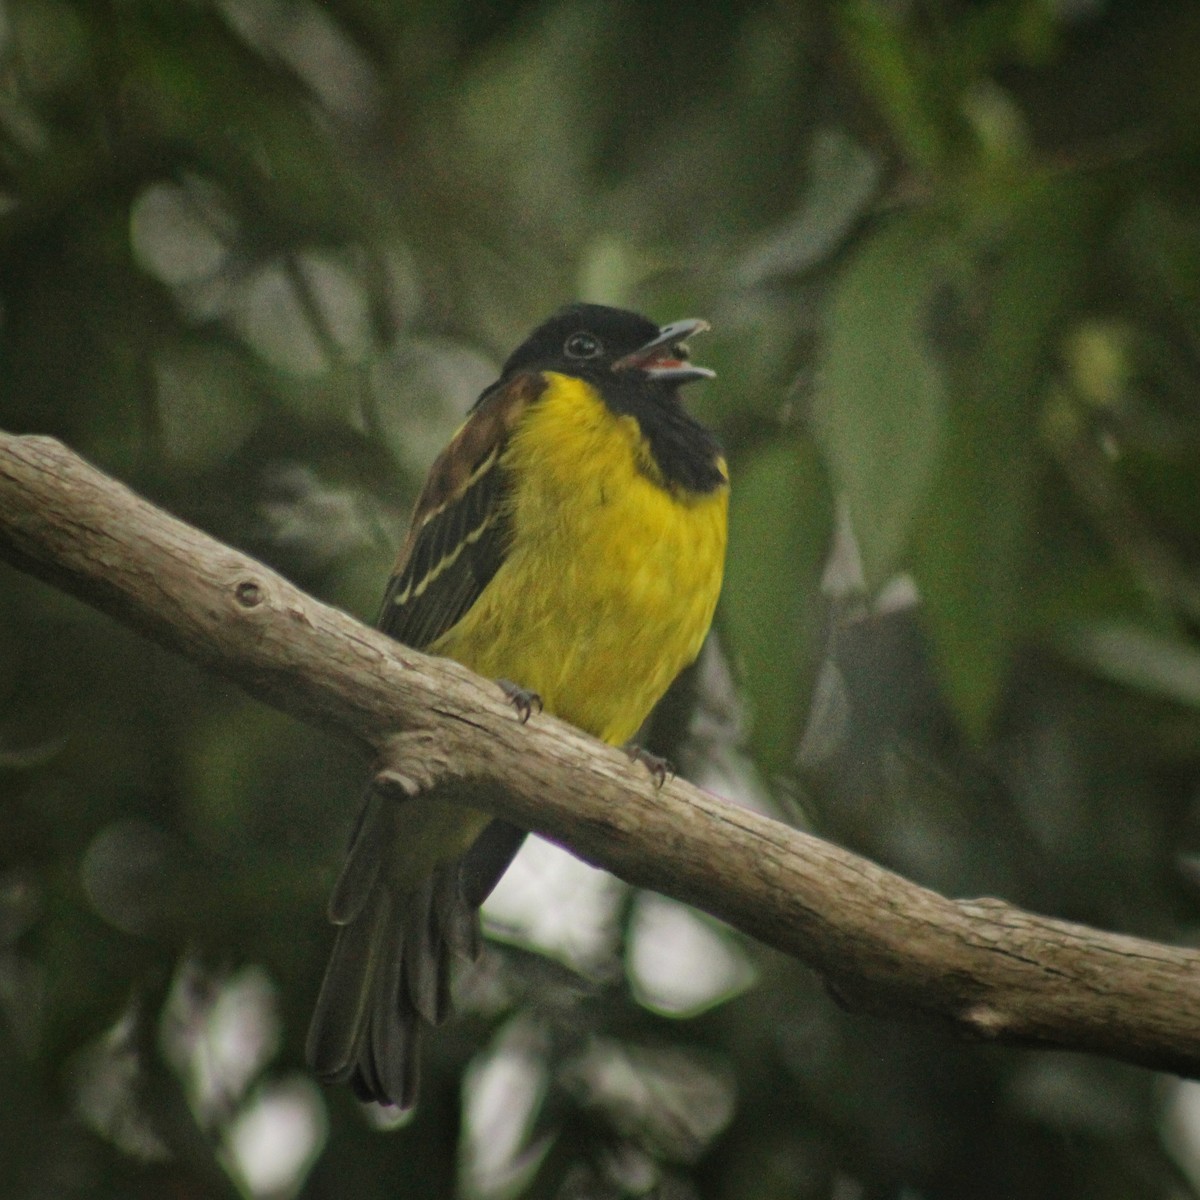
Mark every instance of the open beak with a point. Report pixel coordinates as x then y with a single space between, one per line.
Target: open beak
665 356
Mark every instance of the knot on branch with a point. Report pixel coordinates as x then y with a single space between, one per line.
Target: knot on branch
256 595
248 593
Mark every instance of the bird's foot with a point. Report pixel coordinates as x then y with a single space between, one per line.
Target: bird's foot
522 699
660 768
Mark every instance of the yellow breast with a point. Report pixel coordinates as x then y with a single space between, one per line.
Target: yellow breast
612 579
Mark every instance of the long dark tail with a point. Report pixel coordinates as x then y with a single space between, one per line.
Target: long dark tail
389 973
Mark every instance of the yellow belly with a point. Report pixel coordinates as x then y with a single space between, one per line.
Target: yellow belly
610 586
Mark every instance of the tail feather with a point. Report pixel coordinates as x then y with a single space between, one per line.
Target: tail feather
431 911
343 1004
387 1065
389 975
369 848
390 970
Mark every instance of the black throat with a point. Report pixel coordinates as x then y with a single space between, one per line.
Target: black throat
685 451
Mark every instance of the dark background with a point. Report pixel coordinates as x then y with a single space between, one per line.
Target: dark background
257 258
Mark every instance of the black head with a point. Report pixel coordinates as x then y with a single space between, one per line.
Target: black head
636 367
596 341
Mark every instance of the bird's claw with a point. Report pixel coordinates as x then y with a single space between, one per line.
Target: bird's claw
522 699
660 768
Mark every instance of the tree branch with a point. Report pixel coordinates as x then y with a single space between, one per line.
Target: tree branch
882 943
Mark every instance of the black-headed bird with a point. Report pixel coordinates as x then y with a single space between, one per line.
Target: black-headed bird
570 541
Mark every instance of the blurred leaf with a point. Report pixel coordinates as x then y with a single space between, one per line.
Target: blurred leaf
1167 253
205 408
29 758
1126 653
1166 482
880 407
139 878
781 521
420 388
49 41
190 79
679 962
1076 579
843 178
514 100
971 551
898 73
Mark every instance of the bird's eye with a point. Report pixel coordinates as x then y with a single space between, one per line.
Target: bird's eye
582 345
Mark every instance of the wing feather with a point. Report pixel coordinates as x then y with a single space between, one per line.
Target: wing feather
460 529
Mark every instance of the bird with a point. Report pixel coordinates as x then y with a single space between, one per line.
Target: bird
569 543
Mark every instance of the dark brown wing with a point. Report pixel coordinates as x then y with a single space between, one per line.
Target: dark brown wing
460 528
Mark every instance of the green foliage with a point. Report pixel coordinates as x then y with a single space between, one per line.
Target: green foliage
256 259
881 406
779 532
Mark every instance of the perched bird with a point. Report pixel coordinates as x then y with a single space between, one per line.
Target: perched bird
569 541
